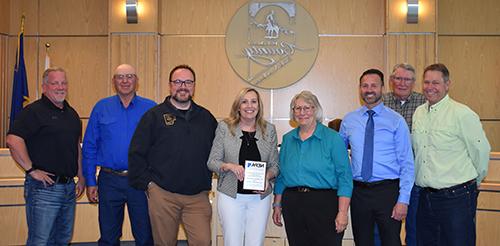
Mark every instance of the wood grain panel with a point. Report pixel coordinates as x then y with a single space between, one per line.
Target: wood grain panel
13 224
147 12
4 88
492 130
468 17
332 17
217 84
474 63
417 50
197 17
334 78
11 195
489 200
73 17
488 226
4 16
396 16
493 175
85 60
347 17
142 52
30 9
8 167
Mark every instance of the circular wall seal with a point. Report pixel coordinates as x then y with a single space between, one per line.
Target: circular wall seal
272 44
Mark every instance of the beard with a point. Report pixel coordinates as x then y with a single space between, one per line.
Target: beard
180 99
372 100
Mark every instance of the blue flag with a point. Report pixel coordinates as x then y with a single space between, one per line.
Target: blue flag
20 96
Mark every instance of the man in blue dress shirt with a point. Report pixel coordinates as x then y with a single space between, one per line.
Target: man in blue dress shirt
381 162
110 128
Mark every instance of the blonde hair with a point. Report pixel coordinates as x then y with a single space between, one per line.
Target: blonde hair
234 115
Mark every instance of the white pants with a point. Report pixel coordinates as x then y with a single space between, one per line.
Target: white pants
243 219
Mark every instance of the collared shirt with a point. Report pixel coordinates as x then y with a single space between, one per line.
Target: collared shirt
392 153
450 145
407 108
52 136
109 131
320 162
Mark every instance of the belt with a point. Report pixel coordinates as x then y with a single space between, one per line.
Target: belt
115 172
305 189
61 179
376 183
462 185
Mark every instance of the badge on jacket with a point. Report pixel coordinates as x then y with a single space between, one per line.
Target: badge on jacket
169 119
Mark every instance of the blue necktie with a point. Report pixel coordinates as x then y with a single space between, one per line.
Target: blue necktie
367 164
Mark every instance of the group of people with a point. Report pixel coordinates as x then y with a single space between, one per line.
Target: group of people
413 156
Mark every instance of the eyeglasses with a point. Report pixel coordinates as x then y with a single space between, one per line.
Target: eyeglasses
404 79
124 76
178 82
307 109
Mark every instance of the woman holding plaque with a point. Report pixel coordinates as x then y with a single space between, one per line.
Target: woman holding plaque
314 186
244 137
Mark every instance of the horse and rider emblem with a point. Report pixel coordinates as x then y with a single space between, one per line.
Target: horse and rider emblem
270 45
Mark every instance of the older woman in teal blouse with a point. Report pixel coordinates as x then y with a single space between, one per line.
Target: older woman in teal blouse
314 186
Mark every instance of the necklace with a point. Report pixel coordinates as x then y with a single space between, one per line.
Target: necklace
248 136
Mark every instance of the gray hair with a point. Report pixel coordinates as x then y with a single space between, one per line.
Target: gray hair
310 99
45 76
404 66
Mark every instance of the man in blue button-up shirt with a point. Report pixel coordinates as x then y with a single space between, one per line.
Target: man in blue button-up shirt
382 195
110 128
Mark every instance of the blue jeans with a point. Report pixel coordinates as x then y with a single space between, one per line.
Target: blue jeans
114 192
50 212
447 217
411 217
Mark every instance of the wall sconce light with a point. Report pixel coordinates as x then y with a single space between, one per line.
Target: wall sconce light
131 9
412 14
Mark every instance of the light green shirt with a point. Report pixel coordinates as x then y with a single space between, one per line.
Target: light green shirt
449 144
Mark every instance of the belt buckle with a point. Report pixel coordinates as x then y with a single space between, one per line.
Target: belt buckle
303 189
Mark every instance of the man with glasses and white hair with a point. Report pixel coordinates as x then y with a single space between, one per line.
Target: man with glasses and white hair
110 128
168 159
45 141
405 101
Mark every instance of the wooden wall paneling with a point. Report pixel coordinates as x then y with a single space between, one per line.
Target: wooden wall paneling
217 84
147 12
197 17
488 224
334 78
474 63
417 50
8 168
492 130
30 9
4 88
4 16
489 200
141 51
13 224
347 17
396 16
468 17
85 60
73 17
493 175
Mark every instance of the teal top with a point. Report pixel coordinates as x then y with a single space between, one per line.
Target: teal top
320 162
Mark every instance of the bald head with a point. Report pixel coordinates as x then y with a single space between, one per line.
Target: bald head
125 80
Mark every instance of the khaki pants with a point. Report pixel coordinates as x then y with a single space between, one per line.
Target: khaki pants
167 210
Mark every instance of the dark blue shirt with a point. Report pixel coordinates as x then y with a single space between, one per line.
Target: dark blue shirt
109 131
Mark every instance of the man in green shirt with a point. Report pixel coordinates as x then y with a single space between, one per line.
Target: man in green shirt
451 158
